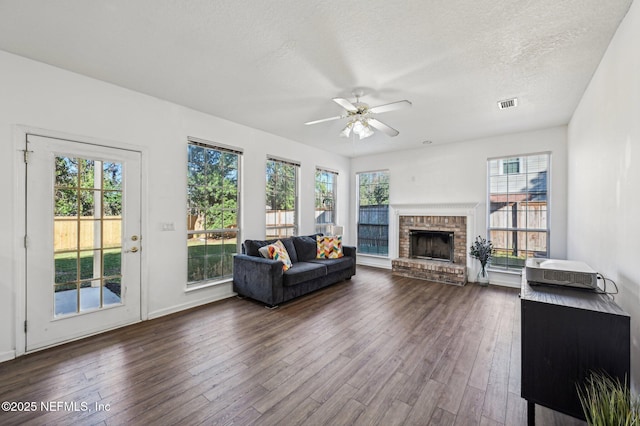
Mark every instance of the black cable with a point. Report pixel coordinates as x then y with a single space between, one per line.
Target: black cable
604 279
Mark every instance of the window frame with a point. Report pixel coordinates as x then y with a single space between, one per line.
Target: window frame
511 264
268 202
325 227
360 248
228 258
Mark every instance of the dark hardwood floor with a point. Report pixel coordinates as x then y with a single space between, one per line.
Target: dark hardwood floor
374 350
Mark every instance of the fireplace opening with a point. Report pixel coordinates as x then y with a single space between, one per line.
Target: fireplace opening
432 245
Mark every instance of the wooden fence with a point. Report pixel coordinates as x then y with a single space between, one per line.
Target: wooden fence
66 233
532 215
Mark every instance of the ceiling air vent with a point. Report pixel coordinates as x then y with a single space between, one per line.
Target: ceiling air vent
508 103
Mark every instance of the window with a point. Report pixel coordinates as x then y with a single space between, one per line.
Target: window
282 198
326 182
518 209
510 166
373 213
213 182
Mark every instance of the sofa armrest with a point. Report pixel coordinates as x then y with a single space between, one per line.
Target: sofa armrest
349 251
258 278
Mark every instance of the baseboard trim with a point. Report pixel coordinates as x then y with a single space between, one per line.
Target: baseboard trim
374 261
7 356
505 279
177 308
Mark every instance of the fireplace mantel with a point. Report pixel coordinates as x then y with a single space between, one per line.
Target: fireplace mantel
430 209
435 209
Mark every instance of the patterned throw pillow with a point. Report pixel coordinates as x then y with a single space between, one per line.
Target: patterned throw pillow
277 251
264 252
329 247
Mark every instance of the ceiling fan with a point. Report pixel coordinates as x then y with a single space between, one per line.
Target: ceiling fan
362 117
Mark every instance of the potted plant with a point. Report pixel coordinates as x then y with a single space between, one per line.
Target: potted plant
607 401
482 249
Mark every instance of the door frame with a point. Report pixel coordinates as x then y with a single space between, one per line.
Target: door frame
20 133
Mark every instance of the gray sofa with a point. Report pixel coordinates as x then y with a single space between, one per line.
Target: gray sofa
263 279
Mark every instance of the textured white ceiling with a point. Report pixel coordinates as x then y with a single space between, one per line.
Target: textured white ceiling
276 64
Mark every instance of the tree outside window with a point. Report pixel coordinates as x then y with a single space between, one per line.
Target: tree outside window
326 182
281 198
212 211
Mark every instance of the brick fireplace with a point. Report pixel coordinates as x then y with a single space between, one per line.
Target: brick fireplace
455 222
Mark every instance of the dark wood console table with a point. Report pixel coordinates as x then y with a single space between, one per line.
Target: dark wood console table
566 334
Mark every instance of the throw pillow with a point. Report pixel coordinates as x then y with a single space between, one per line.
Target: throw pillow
305 247
329 247
264 252
277 251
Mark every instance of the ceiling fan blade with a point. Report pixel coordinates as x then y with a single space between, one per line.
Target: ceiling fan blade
337 117
345 104
389 107
383 127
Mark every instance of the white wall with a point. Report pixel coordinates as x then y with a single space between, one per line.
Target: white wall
37 95
604 174
457 173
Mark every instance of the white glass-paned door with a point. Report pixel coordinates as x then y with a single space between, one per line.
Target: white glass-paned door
83 240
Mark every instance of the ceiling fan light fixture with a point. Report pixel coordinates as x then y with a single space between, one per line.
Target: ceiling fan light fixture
358 127
361 128
362 117
347 130
366 131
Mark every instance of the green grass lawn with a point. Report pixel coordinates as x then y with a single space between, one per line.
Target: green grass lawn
206 260
200 247
66 269
210 259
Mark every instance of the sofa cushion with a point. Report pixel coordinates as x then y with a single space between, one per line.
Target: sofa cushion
303 271
251 247
334 265
329 247
291 249
305 247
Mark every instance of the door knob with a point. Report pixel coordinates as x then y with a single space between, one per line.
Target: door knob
133 250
